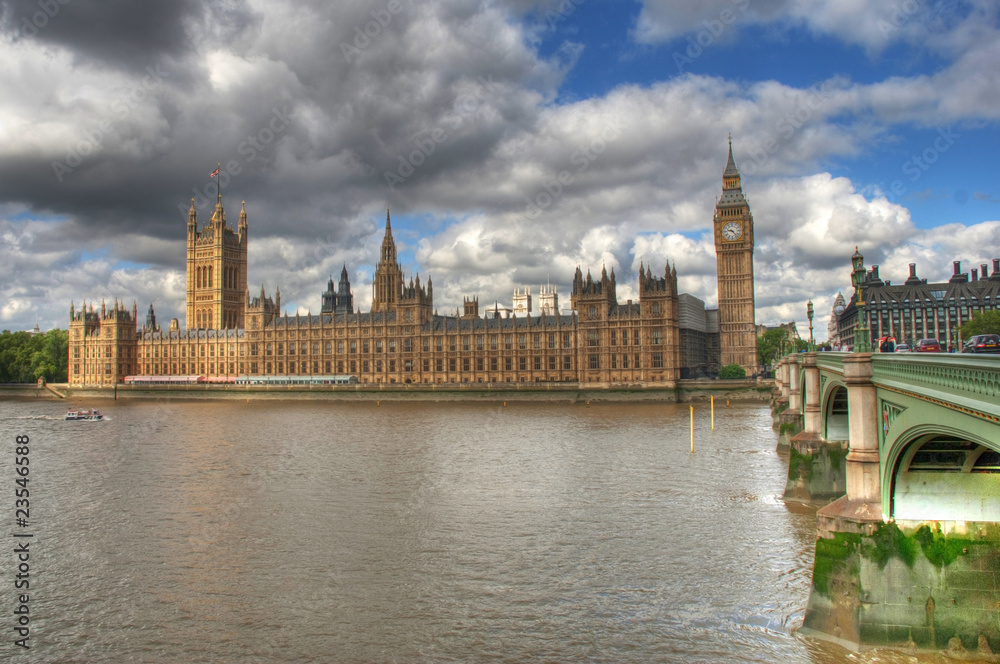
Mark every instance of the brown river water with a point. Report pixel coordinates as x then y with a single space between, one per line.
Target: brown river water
409 532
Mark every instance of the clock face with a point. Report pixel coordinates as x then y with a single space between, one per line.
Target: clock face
732 231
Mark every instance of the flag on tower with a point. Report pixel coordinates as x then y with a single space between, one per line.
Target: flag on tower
215 172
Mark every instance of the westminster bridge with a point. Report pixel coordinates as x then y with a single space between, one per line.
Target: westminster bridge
910 552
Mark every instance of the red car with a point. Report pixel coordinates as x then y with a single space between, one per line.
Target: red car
927 346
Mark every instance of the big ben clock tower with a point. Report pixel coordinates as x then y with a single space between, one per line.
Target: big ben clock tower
733 226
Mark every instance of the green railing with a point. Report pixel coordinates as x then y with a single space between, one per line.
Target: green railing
969 381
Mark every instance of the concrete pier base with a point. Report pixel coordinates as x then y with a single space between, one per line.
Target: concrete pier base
817 470
875 584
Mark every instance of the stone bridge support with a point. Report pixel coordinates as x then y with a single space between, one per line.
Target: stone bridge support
816 468
790 418
922 583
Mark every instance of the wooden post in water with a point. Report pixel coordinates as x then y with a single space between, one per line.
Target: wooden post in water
692 428
713 412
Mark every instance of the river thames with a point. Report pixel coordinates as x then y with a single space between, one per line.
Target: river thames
410 532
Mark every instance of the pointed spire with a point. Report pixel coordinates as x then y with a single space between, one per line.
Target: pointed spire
731 170
192 215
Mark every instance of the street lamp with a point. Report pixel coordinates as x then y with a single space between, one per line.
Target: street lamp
809 312
862 340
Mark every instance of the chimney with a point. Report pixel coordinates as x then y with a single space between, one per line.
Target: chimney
913 270
996 268
975 274
984 271
958 277
958 267
875 276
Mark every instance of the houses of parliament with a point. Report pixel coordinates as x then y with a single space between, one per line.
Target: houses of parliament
232 334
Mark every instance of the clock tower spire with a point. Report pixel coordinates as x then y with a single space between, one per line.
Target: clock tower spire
734 243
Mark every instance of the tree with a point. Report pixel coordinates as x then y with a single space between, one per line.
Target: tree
987 322
25 358
769 345
732 372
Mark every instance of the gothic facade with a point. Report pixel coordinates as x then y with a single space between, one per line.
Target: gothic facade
402 340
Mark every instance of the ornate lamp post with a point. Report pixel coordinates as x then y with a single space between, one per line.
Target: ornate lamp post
862 340
809 312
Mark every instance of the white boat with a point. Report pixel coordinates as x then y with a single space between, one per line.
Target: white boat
87 414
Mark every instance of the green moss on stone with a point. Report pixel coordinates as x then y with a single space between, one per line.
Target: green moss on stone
799 465
833 556
786 428
837 454
887 542
940 549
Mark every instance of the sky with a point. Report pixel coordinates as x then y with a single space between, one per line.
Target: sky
513 141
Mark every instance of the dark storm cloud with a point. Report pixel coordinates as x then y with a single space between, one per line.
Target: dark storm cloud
121 33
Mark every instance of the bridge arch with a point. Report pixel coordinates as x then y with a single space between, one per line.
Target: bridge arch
938 473
836 420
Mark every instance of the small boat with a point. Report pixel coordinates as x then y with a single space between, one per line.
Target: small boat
87 414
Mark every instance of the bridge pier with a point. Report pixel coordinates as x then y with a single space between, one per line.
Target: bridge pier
790 420
916 584
816 468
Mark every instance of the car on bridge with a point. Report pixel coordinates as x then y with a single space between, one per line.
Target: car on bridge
928 346
982 343
902 348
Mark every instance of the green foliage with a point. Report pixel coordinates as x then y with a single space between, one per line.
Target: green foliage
987 322
769 345
732 372
786 427
25 358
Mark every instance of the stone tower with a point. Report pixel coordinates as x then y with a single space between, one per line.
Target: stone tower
388 282
733 226
216 271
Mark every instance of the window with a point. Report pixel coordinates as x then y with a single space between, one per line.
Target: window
538 363
508 364
658 336
595 362
592 337
567 363
479 364
657 360
465 364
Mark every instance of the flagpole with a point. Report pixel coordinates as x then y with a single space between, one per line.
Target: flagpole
218 182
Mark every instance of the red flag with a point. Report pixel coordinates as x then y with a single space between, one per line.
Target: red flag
214 173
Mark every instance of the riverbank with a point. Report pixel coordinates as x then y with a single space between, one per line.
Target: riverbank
682 391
